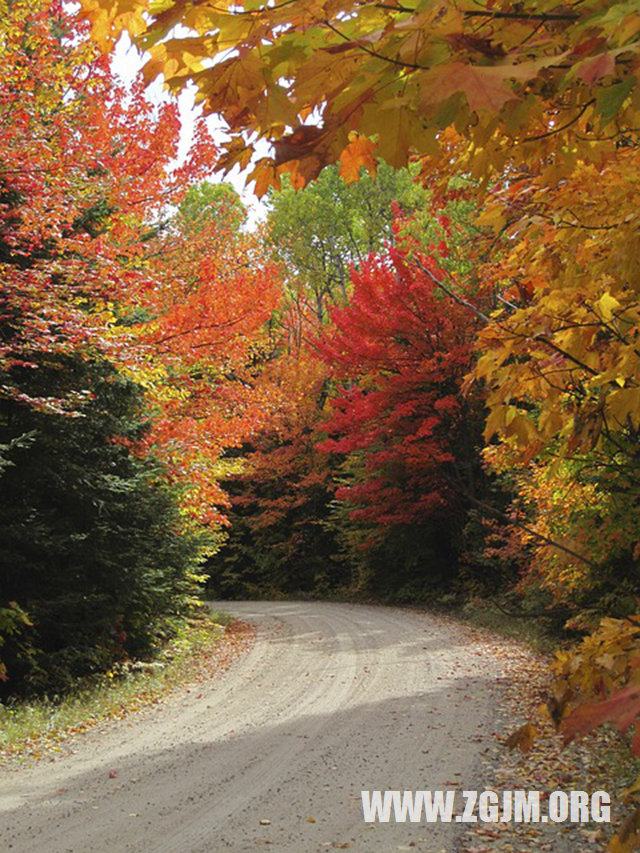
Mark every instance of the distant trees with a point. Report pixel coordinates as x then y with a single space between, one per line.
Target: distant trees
320 233
365 476
281 535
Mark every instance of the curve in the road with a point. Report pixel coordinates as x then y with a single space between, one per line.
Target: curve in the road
273 754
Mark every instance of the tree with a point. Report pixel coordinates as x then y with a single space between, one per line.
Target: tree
196 341
208 201
324 229
560 365
91 264
83 174
288 533
94 563
278 540
408 437
319 81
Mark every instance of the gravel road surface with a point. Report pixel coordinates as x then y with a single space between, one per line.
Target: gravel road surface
272 754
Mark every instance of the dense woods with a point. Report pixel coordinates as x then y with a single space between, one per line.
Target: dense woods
419 377
129 310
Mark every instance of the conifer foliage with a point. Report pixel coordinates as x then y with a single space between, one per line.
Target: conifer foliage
94 565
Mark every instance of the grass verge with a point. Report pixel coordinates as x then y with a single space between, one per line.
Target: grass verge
538 633
32 729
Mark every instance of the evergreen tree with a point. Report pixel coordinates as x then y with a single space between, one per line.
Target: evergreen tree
93 566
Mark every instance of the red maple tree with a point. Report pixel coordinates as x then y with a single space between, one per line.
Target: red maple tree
399 352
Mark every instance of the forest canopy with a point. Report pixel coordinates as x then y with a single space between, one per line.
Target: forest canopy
419 379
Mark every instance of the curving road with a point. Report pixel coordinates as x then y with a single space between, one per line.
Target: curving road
272 755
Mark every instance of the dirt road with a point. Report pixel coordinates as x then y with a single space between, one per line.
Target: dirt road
273 754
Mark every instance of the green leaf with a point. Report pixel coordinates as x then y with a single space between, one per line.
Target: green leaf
610 100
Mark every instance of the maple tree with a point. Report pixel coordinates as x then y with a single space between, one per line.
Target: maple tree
407 436
569 344
196 344
84 173
319 79
561 367
387 494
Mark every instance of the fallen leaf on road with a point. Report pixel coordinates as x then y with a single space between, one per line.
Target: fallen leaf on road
523 738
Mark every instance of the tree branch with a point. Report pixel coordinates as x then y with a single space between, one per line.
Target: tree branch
452 294
563 126
530 531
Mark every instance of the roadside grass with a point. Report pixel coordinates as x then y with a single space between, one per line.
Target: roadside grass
38 727
538 633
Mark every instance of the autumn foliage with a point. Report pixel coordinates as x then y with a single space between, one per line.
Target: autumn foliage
399 354
129 326
505 75
456 365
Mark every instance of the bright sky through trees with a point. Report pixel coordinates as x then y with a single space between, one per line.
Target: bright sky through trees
126 63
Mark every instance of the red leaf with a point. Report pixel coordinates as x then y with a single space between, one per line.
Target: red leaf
621 709
596 67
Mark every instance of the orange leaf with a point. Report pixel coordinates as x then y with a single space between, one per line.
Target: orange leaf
485 87
523 738
264 175
358 153
621 710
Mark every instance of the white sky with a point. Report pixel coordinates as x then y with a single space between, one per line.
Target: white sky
126 63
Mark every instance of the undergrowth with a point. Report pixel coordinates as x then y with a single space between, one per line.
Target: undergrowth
34 727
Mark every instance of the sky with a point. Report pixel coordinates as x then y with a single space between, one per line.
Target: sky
126 63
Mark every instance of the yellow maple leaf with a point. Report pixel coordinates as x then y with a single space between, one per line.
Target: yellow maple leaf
607 305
